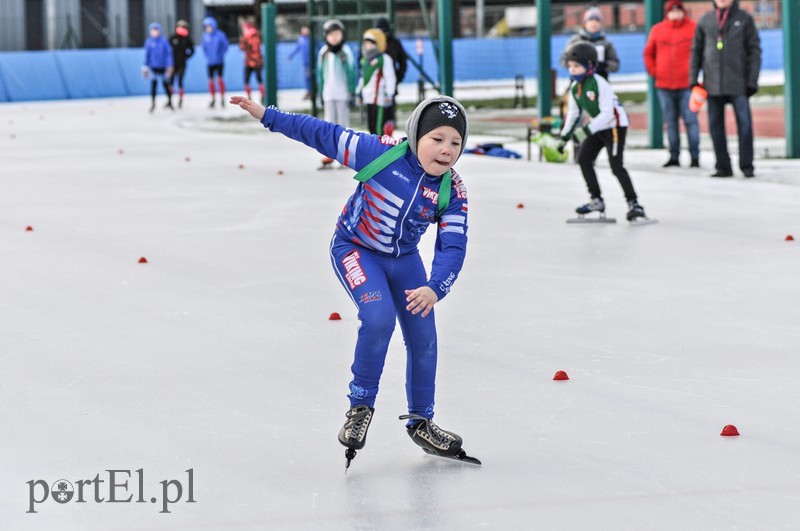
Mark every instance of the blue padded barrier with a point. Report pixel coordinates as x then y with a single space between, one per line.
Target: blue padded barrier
90 74
43 75
31 76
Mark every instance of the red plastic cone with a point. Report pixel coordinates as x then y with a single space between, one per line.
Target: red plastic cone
335 317
241 166
28 228
561 375
520 205
143 260
789 238
729 431
280 172
120 151
187 159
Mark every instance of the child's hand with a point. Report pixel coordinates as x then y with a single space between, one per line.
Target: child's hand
256 110
421 300
145 72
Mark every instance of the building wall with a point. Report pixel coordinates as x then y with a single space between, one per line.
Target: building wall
12 24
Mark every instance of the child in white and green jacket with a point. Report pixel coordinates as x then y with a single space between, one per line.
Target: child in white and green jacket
607 128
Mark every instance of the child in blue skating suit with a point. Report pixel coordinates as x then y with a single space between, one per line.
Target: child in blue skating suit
374 249
215 45
157 64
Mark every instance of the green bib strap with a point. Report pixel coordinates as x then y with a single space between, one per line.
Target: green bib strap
370 170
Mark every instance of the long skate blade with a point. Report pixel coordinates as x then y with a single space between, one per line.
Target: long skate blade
349 454
460 456
591 220
643 221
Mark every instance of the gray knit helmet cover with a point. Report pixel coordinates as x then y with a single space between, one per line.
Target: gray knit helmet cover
413 121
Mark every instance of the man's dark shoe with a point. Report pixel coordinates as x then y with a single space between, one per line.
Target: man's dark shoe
749 172
722 173
695 163
671 162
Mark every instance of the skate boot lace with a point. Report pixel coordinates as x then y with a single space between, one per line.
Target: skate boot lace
433 433
358 419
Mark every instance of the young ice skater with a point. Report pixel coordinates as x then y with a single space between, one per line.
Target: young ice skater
403 188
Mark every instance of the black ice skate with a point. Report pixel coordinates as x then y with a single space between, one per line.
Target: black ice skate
595 205
435 441
353 434
636 214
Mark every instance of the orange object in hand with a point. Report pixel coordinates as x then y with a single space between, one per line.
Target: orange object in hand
698 98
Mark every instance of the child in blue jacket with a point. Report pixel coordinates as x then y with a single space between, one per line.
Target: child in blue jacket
215 44
403 188
157 64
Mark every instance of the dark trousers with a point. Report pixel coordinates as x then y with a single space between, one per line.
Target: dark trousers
744 126
614 144
373 111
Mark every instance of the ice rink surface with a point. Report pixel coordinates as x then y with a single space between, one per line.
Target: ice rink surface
217 356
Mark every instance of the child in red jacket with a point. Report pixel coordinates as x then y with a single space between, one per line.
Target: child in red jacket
250 43
666 57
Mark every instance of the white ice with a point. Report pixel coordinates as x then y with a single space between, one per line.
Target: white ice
218 355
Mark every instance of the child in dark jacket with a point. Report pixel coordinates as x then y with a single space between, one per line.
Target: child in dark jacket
403 188
182 50
157 64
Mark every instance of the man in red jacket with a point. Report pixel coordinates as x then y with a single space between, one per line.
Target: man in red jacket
666 57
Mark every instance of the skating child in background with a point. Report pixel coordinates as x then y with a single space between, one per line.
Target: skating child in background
336 74
250 43
336 77
378 80
157 64
607 128
215 44
182 50
375 256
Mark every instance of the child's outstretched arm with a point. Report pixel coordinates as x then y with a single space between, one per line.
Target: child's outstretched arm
354 150
256 110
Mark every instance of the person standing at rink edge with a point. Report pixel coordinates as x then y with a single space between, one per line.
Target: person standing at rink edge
666 57
403 189
727 49
215 44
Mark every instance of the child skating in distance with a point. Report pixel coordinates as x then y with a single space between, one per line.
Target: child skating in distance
157 64
403 188
215 45
607 128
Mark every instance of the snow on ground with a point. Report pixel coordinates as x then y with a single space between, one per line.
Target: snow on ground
217 356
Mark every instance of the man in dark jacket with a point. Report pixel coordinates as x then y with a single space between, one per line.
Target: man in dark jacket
395 50
727 49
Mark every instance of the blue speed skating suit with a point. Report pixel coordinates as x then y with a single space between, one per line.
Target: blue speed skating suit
374 252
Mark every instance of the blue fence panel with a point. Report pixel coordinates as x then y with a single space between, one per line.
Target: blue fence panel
3 91
129 67
771 49
91 73
26 76
29 76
